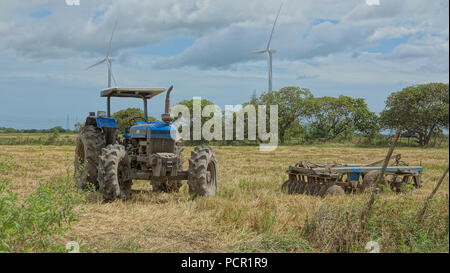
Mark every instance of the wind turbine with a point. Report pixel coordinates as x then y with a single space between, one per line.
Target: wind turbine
270 51
108 60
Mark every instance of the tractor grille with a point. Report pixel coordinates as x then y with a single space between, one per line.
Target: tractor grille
162 145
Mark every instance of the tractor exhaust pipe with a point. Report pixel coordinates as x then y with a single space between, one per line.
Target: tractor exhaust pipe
166 116
168 99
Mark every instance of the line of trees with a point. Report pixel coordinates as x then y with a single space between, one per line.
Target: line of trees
421 110
58 129
327 118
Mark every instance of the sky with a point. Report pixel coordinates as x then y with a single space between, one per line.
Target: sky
358 48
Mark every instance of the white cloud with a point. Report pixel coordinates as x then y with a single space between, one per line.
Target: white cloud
373 2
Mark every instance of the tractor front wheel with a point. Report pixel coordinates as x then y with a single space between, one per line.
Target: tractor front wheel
203 172
114 176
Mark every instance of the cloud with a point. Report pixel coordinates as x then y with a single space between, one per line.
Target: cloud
373 2
353 29
306 77
223 32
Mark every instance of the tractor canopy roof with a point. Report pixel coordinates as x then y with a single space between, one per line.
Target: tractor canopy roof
126 92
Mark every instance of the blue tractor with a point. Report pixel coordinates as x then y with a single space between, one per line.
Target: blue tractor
148 151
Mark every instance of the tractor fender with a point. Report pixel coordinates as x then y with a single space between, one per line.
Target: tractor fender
101 122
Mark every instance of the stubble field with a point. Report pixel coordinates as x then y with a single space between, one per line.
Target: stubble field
249 214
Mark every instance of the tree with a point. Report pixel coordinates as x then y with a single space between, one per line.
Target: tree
340 117
59 129
421 110
78 126
127 117
291 101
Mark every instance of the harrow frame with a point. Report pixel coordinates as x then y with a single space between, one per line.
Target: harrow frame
317 179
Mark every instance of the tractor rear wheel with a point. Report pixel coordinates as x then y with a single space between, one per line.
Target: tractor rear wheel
203 172
90 142
114 173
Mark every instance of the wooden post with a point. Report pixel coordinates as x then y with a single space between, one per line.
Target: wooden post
427 201
366 210
388 156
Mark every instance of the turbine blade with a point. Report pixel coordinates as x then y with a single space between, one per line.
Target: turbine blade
97 63
259 51
110 40
114 79
273 28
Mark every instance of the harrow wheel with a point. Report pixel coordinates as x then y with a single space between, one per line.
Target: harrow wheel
335 190
203 172
369 180
114 173
90 142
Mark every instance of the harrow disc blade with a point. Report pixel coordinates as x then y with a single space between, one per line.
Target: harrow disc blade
285 186
296 187
301 189
291 187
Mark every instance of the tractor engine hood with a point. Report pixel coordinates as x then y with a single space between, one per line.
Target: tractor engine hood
154 129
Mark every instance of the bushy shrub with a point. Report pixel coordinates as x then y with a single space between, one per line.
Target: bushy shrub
36 222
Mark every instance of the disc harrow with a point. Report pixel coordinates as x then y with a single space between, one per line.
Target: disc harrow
337 179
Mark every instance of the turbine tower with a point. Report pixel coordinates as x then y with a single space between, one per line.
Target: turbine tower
269 51
108 60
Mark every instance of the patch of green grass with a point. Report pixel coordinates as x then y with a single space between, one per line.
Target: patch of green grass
289 241
36 223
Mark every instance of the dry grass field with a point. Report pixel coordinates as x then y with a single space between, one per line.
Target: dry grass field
249 214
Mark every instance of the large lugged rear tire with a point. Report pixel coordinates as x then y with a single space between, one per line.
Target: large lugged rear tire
90 142
203 172
114 173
